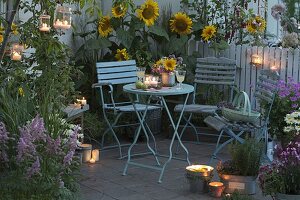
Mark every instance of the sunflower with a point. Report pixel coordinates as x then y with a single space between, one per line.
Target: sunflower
148 12
208 32
104 26
256 25
170 64
14 29
1 38
160 62
122 55
181 24
119 10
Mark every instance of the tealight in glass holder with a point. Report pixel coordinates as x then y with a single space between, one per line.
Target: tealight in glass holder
62 17
44 23
16 52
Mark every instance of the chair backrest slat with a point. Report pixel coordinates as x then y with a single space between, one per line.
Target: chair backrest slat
122 72
215 71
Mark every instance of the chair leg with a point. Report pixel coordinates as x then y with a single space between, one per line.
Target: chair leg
187 122
110 127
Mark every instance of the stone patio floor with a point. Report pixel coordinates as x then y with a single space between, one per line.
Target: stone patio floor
104 181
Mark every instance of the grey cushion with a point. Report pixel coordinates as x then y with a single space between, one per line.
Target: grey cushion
196 108
130 108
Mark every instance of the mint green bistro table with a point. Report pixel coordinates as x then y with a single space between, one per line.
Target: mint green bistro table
162 93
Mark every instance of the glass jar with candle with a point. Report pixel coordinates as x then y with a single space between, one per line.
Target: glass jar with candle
62 17
16 52
44 23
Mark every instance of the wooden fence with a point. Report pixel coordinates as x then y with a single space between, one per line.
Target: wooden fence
285 61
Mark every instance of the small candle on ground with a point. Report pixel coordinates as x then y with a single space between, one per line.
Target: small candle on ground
92 161
216 189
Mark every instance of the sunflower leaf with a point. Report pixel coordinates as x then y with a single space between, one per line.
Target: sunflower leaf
197 26
156 30
101 43
177 44
125 37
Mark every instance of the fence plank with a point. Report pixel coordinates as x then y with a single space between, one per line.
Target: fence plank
290 64
283 64
238 62
296 65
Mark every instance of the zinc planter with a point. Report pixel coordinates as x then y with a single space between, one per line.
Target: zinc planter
199 180
243 184
280 196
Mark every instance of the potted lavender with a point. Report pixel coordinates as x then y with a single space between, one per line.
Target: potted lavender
281 178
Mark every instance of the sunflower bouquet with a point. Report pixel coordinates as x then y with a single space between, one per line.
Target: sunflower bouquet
166 64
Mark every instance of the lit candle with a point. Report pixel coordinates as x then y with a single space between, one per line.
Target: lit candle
83 101
216 189
57 24
153 82
147 81
205 170
45 27
95 154
16 56
92 161
65 25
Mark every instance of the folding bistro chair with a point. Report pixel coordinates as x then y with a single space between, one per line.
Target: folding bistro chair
265 91
209 71
111 74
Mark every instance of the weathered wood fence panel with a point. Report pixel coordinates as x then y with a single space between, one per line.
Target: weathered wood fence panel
285 61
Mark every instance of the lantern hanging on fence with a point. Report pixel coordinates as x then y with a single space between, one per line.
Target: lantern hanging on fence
16 52
256 60
44 24
62 17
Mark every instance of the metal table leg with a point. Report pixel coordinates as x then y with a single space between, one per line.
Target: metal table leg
175 135
141 118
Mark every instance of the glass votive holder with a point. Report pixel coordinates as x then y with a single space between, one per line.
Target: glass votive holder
62 17
216 189
44 23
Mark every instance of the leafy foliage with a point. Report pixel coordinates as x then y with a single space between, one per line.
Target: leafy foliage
245 159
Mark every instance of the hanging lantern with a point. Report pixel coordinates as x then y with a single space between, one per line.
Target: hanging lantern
44 24
62 17
16 52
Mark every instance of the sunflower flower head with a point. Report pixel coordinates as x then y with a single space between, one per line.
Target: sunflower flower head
14 29
119 10
181 24
148 12
256 24
170 64
21 92
208 32
104 26
1 38
122 55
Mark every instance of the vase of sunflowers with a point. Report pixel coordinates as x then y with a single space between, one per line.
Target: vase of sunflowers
166 68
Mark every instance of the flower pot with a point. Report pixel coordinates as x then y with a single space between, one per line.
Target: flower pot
198 181
280 196
168 79
243 184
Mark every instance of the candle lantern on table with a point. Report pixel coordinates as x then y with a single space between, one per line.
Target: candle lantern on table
44 23
216 189
62 17
16 52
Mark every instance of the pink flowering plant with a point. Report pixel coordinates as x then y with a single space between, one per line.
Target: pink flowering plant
35 163
283 174
287 101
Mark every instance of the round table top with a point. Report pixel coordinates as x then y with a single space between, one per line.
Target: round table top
164 91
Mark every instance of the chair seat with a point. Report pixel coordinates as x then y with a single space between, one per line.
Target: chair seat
130 108
196 108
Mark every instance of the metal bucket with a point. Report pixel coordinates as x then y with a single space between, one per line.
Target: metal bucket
86 152
198 181
242 184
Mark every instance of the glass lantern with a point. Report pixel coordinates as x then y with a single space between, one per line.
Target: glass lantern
44 24
16 52
62 17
